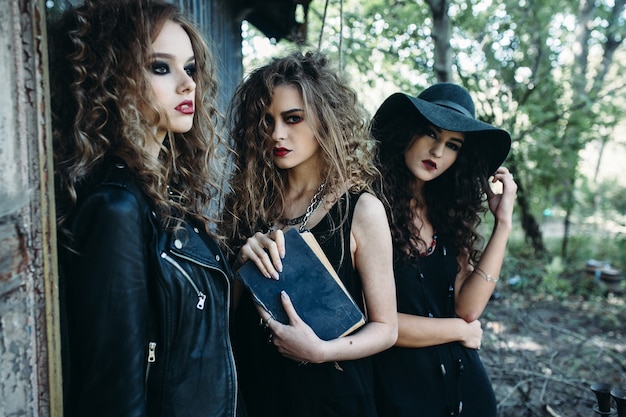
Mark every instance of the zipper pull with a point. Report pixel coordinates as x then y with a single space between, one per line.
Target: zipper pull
151 352
201 300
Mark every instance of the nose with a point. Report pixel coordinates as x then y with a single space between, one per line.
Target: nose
437 149
278 131
186 83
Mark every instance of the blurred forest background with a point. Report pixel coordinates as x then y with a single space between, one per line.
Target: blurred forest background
552 73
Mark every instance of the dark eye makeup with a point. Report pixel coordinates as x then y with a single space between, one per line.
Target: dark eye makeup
159 68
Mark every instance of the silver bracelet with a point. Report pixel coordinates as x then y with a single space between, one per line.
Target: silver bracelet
485 275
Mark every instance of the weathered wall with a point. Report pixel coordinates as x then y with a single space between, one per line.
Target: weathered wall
28 378
222 29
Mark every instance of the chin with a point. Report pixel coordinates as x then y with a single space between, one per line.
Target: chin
282 165
182 129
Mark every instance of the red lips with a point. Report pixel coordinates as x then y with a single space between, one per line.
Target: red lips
185 107
430 164
281 151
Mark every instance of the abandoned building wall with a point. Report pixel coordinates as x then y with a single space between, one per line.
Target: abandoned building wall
28 336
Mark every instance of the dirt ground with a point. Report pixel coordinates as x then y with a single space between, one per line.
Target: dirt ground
543 355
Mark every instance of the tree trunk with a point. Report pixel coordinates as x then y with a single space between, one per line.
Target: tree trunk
566 230
441 38
532 232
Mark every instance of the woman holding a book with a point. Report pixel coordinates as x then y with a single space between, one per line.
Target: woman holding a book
438 162
303 161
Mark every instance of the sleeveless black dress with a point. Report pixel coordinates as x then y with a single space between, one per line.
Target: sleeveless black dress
275 386
434 381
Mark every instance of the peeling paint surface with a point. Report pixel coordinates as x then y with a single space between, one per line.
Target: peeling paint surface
15 367
11 258
24 361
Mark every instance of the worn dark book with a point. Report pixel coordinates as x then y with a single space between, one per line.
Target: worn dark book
316 292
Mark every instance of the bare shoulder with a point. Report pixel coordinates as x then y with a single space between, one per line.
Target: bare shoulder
370 237
368 205
369 214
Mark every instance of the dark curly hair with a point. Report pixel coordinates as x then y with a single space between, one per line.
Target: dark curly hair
336 118
103 107
455 200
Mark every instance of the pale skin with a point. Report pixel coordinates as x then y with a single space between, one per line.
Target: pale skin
298 152
472 290
173 86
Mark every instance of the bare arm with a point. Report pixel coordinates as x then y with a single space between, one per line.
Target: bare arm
417 331
474 286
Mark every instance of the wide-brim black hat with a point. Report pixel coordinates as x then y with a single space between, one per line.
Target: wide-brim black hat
447 106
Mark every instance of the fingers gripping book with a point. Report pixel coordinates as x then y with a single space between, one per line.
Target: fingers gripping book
318 295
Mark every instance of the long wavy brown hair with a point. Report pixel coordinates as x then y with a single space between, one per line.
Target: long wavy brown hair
455 201
339 124
103 108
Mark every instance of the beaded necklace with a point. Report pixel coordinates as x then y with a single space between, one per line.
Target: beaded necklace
431 248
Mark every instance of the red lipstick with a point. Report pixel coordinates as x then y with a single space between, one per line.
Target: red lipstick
185 107
430 164
281 151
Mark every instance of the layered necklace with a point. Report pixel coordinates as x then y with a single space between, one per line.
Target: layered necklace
316 201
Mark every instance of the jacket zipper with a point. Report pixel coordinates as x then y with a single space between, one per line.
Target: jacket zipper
205 265
201 295
151 358
151 352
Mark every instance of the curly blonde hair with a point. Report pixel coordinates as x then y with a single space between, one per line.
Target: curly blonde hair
338 123
103 107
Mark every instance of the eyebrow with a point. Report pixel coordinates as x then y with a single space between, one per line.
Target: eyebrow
460 141
163 55
291 111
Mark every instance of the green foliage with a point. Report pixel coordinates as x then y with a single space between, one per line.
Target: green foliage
552 281
518 59
561 278
521 270
607 198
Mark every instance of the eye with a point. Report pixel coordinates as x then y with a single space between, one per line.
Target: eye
454 146
160 68
268 120
191 69
293 119
431 134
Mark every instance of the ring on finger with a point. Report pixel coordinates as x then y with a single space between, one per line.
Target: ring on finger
267 322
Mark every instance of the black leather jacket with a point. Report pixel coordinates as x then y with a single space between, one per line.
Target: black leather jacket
146 329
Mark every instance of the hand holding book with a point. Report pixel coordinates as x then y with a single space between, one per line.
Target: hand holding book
316 292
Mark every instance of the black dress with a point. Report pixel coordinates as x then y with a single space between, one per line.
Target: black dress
272 385
434 381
